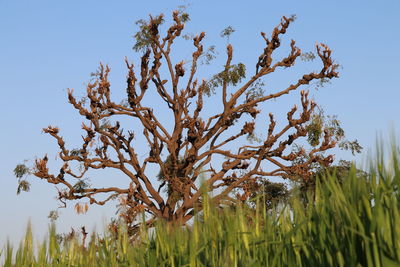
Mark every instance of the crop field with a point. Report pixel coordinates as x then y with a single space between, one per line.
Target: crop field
354 222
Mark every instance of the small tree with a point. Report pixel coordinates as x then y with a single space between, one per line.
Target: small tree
269 194
341 171
190 148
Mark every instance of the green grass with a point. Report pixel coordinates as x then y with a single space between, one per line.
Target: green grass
353 224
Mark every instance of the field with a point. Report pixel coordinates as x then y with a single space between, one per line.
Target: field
353 223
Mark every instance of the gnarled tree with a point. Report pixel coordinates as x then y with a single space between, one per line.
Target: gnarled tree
214 147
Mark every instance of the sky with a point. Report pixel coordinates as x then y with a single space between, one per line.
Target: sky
49 46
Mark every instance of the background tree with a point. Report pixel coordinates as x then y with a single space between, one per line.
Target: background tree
305 189
269 194
194 146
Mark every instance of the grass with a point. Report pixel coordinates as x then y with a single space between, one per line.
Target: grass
356 223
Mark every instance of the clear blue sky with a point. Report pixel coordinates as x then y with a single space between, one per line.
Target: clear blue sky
48 46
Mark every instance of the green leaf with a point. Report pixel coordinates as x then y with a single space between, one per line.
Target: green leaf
21 170
23 186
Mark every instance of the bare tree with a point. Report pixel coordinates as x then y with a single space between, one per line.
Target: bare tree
188 150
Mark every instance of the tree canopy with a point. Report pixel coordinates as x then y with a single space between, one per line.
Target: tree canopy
213 147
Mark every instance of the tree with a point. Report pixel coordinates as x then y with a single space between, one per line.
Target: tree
341 171
193 146
269 194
